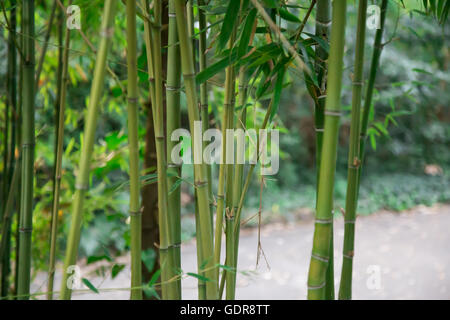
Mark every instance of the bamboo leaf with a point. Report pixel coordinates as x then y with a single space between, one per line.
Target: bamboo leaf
215 68
277 93
88 284
229 21
175 186
116 269
286 15
246 33
198 276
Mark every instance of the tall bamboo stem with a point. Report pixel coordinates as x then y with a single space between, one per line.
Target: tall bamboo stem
323 22
173 123
133 141
46 40
200 170
345 289
201 285
204 105
26 216
324 217
82 180
58 165
166 247
377 50
5 246
13 161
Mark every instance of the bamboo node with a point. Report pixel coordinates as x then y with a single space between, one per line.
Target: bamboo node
349 255
324 96
26 230
28 145
172 15
189 75
135 213
229 214
107 33
358 83
325 24
133 99
316 287
201 184
320 129
81 187
333 113
175 245
320 258
172 88
324 221
356 162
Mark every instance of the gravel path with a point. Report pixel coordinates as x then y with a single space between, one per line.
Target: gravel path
398 256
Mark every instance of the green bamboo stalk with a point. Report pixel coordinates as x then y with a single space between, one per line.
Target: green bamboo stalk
377 50
345 289
133 141
323 22
200 170
204 106
225 191
58 164
19 135
82 180
324 217
247 182
13 163
5 246
166 248
26 216
46 40
173 88
238 173
201 285
166 221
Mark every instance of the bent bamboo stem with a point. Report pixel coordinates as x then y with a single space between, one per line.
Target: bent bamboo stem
82 180
345 289
58 164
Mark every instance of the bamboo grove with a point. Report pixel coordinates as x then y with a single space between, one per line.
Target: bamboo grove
252 59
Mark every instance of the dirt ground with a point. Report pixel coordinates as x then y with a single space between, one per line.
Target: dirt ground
397 256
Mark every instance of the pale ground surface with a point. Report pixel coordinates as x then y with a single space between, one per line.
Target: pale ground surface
409 251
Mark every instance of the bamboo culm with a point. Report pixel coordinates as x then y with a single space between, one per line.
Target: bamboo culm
345 289
377 50
45 46
133 141
28 140
58 164
324 216
173 88
14 164
323 22
82 179
200 170
169 287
